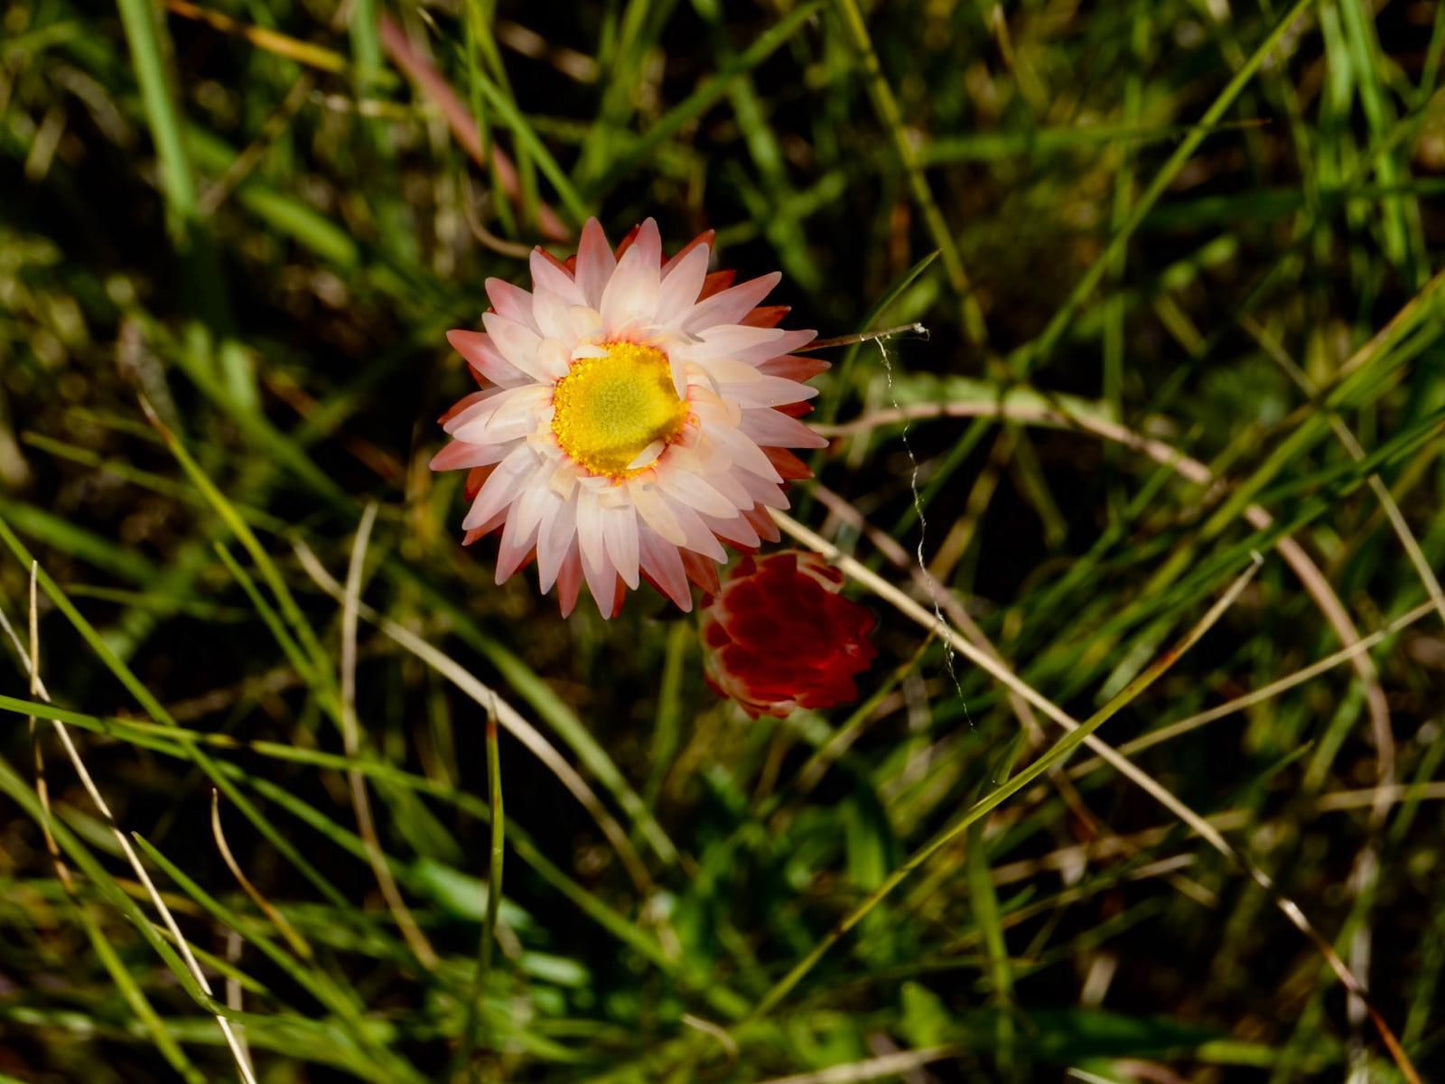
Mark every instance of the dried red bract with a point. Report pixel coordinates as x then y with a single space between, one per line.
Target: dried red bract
779 636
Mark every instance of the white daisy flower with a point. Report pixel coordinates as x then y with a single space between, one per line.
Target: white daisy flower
635 413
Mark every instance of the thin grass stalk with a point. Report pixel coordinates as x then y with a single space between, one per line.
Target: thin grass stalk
32 663
487 944
351 742
130 991
297 943
856 31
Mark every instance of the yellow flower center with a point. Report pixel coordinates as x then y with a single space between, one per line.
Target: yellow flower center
612 409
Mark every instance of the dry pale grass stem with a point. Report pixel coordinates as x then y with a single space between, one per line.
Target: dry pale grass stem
31 659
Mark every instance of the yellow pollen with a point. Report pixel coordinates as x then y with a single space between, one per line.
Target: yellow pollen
609 410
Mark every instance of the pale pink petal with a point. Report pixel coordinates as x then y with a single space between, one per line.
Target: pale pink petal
656 512
664 568
513 413
794 367
554 359
602 582
736 530
459 455
681 284
467 404
590 530
753 345
765 493
485 529
701 571
588 350
771 429
681 372
552 314
712 409
479 409
720 477
726 370
510 302
729 340
527 512
648 241
704 238
517 344
768 391
547 275
619 529
585 322
554 537
732 304
563 479
569 581
695 492
595 263
763 524
503 486
631 294
515 547
476 347
744 453
695 534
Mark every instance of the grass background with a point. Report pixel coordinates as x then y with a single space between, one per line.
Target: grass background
1175 260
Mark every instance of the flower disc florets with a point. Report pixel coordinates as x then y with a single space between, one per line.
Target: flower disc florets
615 414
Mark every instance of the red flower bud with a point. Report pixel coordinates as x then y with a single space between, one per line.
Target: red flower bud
779 636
